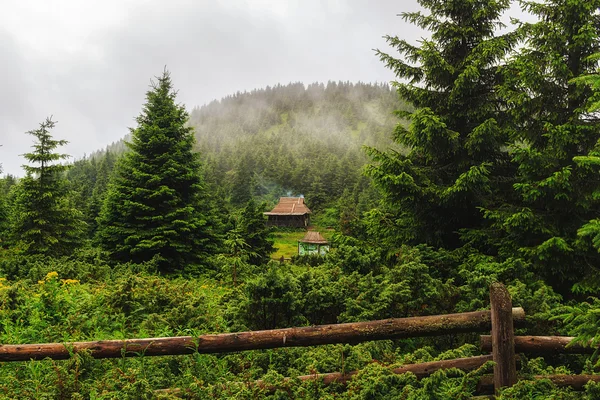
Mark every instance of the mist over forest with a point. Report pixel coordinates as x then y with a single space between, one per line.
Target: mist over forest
289 140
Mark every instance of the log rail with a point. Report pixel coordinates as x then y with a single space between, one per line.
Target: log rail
543 345
499 321
395 328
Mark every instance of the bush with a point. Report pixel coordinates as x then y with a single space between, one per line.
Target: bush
308 260
271 300
85 266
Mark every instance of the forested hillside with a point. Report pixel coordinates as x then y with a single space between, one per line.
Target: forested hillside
291 139
287 140
481 166
295 138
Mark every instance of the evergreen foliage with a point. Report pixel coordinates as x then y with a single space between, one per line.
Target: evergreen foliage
555 146
156 205
44 218
82 178
242 182
456 157
252 228
98 194
8 181
6 184
3 220
278 141
294 139
3 212
493 178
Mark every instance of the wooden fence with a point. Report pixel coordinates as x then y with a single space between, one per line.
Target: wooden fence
499 320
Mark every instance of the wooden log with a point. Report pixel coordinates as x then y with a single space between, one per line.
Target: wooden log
421 370
485 385
503 345
542 345
357 332
577 382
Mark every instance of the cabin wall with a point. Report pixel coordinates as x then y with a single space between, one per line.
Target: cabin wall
292 221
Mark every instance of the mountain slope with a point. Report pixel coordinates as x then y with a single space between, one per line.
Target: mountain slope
294 139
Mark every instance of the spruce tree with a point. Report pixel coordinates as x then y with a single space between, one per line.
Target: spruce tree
252 229
8 181
555 144
450 160
44 220
156 206
243 181
6 184
104 169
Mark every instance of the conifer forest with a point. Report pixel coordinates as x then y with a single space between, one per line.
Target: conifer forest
479 164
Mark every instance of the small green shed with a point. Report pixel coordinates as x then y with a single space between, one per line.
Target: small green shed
313 243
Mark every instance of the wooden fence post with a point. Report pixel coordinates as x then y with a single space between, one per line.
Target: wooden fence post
503 342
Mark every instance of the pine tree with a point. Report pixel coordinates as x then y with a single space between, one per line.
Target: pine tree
451 158
156 206
82 177
105 167
316 196
243 181
252 229
6 184
555 145
44 220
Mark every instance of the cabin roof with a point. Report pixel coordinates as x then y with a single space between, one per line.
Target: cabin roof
313 237
290 206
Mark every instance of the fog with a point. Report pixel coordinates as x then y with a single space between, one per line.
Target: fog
89 63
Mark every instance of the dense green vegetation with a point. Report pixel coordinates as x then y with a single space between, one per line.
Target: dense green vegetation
155 207
485 169
44 220
295 140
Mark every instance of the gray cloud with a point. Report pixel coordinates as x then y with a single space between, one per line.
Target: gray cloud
14 98
89 63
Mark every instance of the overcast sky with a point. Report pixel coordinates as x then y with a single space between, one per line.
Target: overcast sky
89 63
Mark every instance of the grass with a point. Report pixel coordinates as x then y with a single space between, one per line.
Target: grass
286 242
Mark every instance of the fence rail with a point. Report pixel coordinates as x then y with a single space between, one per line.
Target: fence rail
394 328
421 370
499 320
543 345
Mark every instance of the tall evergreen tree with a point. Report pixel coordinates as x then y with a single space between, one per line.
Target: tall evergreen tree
82 177
8 181
454 141
44 220
557 183
252 229
156 205
6 184
242 182
105 167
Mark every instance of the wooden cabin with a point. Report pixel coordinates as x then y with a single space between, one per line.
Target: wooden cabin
313 243
289 212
